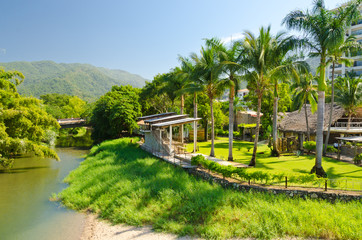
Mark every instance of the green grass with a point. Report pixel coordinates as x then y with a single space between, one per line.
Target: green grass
285 163
124 184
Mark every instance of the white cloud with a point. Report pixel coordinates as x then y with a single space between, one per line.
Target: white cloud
2 51
233 37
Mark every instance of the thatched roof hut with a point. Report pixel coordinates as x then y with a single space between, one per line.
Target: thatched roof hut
295 121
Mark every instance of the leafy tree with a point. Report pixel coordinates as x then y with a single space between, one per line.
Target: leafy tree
349 94
323 30
152 99
305 91
24 125
115 113
64 106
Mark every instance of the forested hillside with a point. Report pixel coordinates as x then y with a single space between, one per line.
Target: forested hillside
83 80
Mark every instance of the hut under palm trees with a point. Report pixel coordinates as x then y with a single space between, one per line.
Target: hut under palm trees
293 124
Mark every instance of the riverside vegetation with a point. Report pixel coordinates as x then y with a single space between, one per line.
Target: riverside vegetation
124 184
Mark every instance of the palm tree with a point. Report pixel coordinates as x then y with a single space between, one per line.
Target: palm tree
305 91
336 56
187 71
285 67
209 69
323 30
349 94
229 59
265 62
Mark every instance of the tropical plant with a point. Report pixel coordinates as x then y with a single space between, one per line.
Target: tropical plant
230 57
324 29
209 70
349 94
285 68
305 91
337 56
265 63
190 86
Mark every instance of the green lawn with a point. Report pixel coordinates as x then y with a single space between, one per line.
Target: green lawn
285 163
124 184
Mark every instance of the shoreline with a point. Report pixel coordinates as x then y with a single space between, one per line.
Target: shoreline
98 229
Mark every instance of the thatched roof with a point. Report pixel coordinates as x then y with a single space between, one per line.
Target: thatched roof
295 121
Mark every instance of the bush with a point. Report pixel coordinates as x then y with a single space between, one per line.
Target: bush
357 159
257 176
309 145
332 149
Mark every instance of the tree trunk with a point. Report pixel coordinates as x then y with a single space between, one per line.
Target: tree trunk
212 152
231 122
330 114
253 158
349 120
195 123
182 112
306 119
205 130
275 151
318 169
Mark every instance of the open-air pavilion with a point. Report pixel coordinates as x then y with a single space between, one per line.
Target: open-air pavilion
158 132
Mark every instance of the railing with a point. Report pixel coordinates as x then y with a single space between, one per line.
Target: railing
344 124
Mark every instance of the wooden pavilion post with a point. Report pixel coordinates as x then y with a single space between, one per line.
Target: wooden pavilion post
195 135
339 149
170 140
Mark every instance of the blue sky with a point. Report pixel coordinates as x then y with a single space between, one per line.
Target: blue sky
139 36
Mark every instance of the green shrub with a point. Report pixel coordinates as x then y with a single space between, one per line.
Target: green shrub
257 176
357 159
331 149
309 145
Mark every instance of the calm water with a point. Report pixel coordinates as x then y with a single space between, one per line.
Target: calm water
25 209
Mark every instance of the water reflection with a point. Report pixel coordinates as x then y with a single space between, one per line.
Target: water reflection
25 211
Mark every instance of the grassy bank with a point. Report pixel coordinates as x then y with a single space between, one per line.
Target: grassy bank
126 185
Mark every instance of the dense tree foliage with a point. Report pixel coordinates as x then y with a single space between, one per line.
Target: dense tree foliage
64 106
25 127
153 100
83 80
115 113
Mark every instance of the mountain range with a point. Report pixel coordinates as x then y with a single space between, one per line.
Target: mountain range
83 80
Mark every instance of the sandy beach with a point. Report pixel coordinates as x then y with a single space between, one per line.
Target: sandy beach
97 229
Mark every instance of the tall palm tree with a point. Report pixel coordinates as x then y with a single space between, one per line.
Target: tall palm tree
265 62
349 94
209 69
230 57
285 67
323 30
337 55
305 91
187 71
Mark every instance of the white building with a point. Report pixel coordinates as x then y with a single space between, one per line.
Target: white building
341 69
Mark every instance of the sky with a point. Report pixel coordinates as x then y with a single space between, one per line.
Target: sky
143 37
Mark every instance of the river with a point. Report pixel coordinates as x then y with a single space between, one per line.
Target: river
25 209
